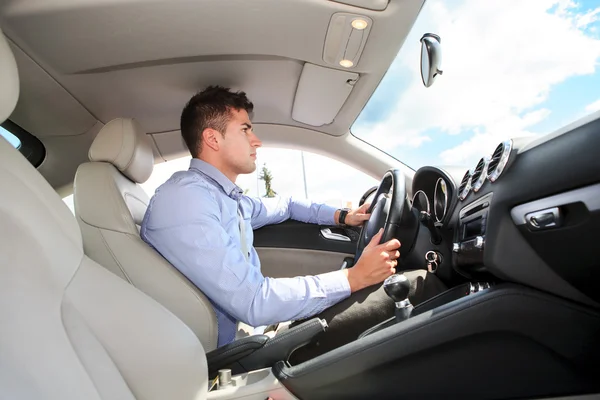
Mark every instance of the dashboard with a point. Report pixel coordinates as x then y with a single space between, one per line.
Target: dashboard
434 190
527 213
459 203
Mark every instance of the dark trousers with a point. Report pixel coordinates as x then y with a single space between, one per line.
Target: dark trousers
362 310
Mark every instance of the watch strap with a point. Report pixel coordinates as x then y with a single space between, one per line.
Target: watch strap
342 217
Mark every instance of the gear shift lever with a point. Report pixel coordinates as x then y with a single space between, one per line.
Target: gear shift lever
397 287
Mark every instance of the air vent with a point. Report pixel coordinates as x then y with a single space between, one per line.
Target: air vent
479 174
499 160
465 186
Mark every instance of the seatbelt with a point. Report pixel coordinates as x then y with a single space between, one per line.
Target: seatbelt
243 329
243 234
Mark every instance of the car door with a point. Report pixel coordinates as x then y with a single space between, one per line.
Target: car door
294 248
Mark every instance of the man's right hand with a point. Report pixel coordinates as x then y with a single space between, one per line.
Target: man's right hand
377 262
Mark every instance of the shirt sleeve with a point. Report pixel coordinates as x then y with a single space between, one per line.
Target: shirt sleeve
266 211
195 241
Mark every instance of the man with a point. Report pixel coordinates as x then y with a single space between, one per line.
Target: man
200 221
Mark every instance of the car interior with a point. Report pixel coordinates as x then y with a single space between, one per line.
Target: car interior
93 91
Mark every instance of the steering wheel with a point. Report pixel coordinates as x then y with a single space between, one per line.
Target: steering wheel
391 211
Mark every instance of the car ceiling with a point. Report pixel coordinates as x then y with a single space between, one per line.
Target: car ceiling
83 63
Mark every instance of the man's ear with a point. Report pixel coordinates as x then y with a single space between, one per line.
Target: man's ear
210 138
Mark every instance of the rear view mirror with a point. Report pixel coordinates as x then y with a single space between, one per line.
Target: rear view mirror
431 58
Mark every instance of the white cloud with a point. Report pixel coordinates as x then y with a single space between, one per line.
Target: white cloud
501 59
588 18
595 106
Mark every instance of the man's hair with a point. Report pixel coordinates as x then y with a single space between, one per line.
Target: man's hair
210 108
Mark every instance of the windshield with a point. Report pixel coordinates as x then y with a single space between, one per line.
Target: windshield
510 69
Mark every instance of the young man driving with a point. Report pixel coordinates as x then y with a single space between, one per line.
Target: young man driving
202 223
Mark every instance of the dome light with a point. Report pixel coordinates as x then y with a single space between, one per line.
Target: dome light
359 24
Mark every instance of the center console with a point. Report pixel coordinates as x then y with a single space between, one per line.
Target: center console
469 238
259 351
472 342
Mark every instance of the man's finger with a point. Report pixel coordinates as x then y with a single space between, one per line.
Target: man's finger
365 207
391 245
363 217
376 239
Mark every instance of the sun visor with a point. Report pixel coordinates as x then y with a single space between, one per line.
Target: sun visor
376 5
321 94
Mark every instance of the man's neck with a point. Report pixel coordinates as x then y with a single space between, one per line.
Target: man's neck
232 176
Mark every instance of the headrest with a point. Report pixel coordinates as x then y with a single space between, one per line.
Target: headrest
124 144
9 80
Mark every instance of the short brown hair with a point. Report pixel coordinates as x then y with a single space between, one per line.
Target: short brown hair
210 108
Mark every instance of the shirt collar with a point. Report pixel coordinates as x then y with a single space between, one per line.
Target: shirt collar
231 189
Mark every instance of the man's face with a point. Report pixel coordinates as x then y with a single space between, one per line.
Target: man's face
240 143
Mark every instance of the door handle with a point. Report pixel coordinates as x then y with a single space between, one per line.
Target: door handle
327 234
544 219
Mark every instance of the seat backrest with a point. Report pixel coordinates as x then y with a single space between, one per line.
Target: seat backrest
110 205
70 329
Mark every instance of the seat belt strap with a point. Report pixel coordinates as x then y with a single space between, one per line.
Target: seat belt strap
243 235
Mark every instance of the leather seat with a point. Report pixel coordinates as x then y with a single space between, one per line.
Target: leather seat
70 328
110 205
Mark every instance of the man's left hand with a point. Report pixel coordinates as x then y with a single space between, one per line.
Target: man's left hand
357 216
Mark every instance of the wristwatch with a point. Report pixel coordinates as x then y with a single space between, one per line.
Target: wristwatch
343 214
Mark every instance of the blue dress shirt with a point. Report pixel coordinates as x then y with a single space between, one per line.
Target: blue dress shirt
192 220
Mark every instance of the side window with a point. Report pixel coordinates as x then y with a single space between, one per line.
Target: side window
68 200
163 171
12 139
301 174
289 173
25 142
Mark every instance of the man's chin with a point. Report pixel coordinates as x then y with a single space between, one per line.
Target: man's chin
251 168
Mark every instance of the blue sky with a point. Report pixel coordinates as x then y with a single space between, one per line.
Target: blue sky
511 68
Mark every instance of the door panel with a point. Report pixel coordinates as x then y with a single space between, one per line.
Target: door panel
287 263
295 248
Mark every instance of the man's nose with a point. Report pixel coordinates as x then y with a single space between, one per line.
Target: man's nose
255 141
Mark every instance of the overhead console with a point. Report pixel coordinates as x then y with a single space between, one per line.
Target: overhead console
375 5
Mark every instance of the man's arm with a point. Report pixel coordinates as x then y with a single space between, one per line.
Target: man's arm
202 250
275 210
278 209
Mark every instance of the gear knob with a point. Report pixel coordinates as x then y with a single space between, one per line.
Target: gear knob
397 287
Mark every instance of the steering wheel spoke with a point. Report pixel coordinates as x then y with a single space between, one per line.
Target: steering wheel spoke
391 211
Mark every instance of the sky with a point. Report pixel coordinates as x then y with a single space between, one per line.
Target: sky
511 68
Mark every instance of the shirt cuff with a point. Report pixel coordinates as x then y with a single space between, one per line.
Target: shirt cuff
326 215
336 286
